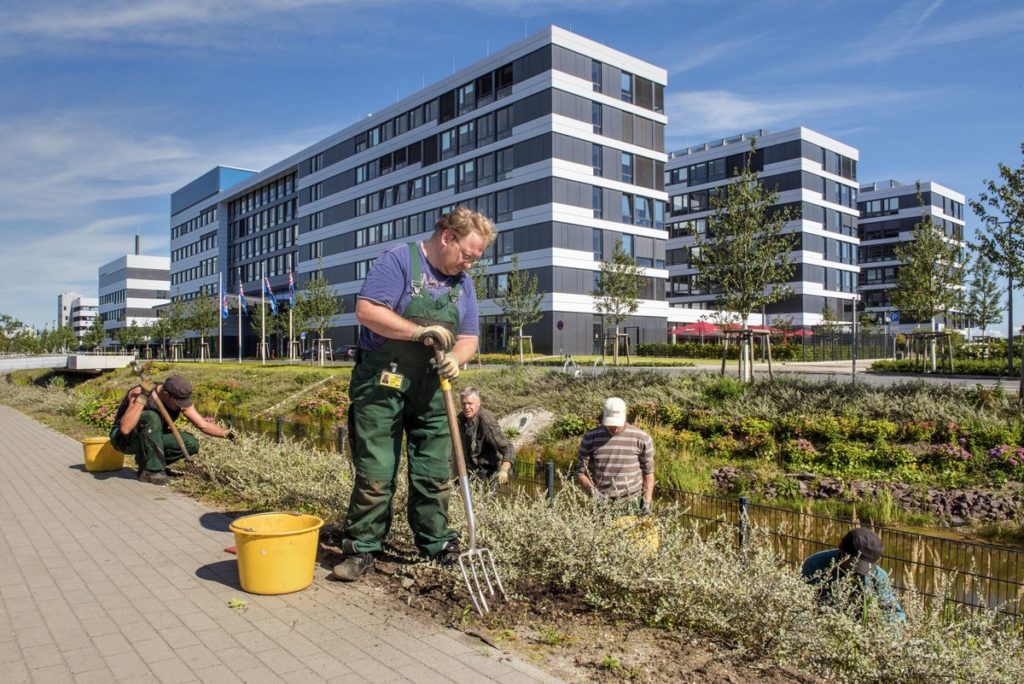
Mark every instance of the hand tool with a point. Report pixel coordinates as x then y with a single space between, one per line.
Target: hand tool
162 410
475 561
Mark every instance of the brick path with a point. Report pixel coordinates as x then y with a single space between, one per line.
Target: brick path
92 592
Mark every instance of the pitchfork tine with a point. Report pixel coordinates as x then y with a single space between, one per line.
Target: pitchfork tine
469 559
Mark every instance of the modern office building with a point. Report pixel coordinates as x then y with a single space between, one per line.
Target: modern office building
559 139
64 302
815 176
83 311
130 289
889 211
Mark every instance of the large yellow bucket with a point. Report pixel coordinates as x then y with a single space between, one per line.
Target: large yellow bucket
100 455
276 551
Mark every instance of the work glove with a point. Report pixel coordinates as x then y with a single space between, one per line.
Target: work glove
645 507
230 436
442 336
147 387
449 367
502 477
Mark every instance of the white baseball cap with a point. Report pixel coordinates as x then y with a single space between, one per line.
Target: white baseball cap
614 412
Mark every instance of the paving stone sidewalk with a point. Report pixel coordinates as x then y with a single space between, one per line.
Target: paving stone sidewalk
104 578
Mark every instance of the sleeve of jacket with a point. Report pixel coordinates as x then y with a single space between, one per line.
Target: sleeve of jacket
494 433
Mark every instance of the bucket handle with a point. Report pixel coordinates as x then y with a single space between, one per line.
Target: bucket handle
253 530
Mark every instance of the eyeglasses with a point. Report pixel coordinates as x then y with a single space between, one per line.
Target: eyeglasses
465 258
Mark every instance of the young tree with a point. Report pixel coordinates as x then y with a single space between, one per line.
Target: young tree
930 277
745 258
829 320
618 290
93 337
1000 238
176 320
315 307
62 339
130 336
983 300
276 324
479 275
9 327
520 301
203 314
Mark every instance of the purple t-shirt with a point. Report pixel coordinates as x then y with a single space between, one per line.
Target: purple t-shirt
389 283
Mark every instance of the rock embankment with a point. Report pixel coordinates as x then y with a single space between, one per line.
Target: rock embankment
953 507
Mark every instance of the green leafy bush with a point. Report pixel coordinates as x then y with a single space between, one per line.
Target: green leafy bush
568 425
723 389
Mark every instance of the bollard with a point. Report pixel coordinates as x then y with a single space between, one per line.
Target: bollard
279 434
744 527
549 479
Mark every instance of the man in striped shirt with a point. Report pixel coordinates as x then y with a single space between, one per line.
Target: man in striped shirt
616 460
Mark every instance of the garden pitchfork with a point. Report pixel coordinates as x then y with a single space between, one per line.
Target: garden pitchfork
163 411
475 561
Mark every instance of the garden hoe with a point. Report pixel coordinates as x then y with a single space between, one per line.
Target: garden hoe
162 410
475 561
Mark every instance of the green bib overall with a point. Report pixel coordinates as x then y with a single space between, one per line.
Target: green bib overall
379 415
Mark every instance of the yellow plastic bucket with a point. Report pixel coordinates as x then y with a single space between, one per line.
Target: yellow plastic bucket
641 531
276 551
100 455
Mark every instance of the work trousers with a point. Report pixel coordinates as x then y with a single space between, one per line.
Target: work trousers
153 447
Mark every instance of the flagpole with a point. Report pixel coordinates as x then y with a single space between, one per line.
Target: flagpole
240 305
220 319
263 316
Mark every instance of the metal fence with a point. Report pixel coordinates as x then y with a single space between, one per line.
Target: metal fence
979 575
983 575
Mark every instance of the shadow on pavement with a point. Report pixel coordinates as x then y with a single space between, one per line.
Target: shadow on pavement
222 572
123 473
219 521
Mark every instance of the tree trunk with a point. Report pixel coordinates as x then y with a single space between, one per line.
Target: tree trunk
521 360
615 347
931 346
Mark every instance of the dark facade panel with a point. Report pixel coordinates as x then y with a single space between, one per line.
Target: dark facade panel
134 273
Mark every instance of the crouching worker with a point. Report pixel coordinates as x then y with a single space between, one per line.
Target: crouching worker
140 430
489 454
616 461
857 556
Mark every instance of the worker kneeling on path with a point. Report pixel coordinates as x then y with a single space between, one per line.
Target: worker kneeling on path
616 461
415 292
489 454
857 556
141 431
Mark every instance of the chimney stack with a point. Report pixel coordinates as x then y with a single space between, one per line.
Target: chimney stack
138 244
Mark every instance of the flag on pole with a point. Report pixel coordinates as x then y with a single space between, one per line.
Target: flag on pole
270 294
291 288
242 306
223 299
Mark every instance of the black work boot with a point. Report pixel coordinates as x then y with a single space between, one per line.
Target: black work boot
354 566
449 555
157 477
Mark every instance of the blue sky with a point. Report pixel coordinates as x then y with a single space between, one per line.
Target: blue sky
107 106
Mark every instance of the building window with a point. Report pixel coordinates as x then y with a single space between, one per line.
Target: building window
503 123
504 163
595 75
627 209
597 155
598 245
627 86
627 167
596 117
597 201
644 211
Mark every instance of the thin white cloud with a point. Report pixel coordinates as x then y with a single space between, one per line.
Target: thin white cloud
919 26
709 53
698 115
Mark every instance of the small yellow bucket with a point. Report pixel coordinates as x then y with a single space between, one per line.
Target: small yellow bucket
276 551
641 531
100 455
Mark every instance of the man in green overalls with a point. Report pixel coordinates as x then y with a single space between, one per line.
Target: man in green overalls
139 429
415 292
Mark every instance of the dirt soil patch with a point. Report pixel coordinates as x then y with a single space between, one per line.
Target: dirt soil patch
559 633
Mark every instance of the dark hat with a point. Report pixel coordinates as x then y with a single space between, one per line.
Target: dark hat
863 547
180 390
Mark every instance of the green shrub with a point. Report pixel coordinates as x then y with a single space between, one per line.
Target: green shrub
917 431
875 430
671 414
568 425
708 423
985 436
887 456
845 456
723 389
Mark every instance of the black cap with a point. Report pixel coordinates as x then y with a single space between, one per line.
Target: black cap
180 390
863 547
